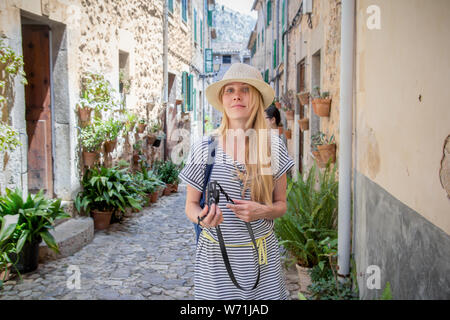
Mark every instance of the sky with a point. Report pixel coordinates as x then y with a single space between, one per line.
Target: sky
244 6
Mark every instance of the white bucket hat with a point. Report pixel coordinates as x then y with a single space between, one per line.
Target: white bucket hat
240 72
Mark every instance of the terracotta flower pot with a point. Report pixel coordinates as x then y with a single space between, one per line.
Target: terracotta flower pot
327 151
304 124
278 105
303 98
135 158
141 127
280 130
154 197
288 134
89 158
289 115
322 107
304 279
318 159
167 190
84 113
102 219
175 187
151 138
110 145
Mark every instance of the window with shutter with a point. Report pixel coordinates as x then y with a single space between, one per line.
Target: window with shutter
274 53
184 90
190 92
170 6
184 10
269 12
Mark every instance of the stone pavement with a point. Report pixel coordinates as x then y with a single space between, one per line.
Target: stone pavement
150 255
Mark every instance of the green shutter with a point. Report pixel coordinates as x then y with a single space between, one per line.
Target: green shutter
262 36
195 25
170 6
210 18
282 51
201 33
190 92
184 10
282 16
184 90
194 100
269 11
274 53
266 76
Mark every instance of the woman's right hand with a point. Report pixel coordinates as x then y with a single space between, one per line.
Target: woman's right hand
213 218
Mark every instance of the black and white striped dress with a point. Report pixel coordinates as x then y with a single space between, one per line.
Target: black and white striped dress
211 277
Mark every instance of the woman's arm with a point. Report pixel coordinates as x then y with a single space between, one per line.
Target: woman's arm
250 210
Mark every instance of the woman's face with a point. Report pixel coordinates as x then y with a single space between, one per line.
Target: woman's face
270 121
236 100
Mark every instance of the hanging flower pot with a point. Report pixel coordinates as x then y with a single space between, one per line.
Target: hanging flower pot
151 138
157 142
322 107
288 134
304 124
110 145
327 151
289 115
135 158
141 127
280 130
318 159
89 158
84 114
303 98
278 105
102 219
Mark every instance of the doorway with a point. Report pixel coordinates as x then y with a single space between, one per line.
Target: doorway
38 112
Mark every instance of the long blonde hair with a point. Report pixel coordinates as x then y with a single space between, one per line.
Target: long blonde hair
261 185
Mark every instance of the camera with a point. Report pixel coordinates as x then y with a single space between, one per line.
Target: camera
213 194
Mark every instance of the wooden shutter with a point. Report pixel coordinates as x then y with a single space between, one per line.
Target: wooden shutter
269 11
274 53
195 25
184 90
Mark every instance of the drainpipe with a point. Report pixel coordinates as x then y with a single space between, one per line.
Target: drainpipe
345 127
165 73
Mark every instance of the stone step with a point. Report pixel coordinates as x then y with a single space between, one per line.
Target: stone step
70 235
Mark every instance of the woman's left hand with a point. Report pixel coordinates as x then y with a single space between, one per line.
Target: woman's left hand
248 210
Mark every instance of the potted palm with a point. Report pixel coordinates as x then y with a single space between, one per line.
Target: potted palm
311 217
321 103
91 138
37 215
106 191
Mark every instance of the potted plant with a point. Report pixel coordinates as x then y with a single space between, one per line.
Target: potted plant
106 191
111 129
288 134
303 98
91 138
8 247
137 151
84 108
324 149
130 122
280 129
156 135
304 124
37 215
168 173
277 103
321 103
311 217
288 104
141 126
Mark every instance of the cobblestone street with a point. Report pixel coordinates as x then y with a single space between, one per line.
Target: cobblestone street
149 256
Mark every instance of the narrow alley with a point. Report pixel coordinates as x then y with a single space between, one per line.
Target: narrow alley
149 256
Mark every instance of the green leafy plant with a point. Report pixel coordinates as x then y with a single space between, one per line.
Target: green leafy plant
92 137
316 94
109 129
108 189
320 139
7 247
97 93
37 215
12 64
168 172
310 217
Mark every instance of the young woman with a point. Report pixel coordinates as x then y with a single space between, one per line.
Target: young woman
250 166
273 119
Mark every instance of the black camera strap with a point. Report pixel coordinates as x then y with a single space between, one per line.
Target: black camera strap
210 163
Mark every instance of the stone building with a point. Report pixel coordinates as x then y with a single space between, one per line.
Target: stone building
121 40
399 174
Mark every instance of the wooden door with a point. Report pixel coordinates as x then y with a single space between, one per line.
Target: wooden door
35 43
301 86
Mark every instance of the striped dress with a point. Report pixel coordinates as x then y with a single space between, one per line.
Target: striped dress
211 277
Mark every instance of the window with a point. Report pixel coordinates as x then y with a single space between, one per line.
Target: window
187 86
184 10
226 59
170 6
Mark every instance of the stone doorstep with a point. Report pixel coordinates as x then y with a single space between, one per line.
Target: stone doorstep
70 235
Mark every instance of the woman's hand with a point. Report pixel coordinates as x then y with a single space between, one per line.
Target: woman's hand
248 210
214 217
